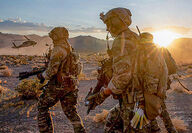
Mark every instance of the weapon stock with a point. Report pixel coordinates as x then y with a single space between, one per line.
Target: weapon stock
24 75
91 103
102 80
87 102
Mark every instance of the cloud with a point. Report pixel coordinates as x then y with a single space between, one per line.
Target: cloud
88 30
19 26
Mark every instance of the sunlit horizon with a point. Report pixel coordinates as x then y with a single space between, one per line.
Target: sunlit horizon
164 38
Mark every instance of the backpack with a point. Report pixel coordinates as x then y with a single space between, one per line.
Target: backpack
151 67
71 66
171 64
152 74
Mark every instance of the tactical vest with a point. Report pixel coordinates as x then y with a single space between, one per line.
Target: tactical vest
71 66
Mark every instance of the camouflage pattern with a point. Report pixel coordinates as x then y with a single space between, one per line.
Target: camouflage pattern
68 100
146 38
129 70
60 86
72 66
166 120
122 13
154 126
114 122
106 72
58 54
171 64
117 20
123 51
104 76
153 70
59 33
134 70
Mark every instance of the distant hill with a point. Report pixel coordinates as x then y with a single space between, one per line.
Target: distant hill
181 50
88 44
80 43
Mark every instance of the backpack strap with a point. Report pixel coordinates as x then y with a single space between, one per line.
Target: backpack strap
65 60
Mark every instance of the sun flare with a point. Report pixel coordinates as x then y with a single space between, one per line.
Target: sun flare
164 37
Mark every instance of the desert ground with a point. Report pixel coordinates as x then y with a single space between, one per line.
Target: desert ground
19 115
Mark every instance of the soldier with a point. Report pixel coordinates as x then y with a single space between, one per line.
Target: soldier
62 74
130 82
147 39
117 21
114 122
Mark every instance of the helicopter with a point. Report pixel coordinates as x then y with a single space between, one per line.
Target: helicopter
24 44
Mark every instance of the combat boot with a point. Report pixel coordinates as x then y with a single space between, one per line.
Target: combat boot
167 120
155 126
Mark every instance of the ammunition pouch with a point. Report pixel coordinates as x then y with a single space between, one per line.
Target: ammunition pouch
153 105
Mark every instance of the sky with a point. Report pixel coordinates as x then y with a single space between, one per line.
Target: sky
81 17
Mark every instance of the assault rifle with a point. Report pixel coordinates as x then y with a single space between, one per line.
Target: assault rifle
24 75
101 81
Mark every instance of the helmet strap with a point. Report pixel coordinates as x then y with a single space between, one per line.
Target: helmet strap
107 38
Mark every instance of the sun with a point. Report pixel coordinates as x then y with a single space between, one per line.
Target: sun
164 37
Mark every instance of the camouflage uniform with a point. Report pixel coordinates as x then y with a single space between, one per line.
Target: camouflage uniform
114 121
135 72
123 54
56 91
147 39
166 120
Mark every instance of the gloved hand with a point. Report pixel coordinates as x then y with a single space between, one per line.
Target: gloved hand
99 97
41 78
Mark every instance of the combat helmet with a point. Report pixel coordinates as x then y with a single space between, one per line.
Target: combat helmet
122 13
59 33
146 37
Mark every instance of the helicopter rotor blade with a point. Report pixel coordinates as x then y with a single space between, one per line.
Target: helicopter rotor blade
26 37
